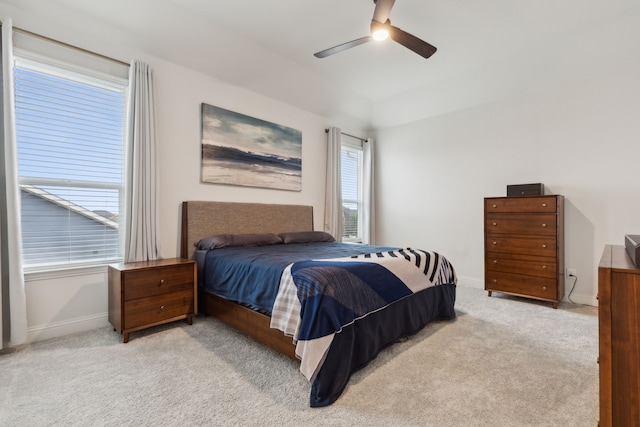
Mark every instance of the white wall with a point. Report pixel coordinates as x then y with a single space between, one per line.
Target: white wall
59 305
581 140
179 94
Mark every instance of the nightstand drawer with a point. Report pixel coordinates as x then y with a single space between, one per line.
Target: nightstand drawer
144 311
535 224
158 281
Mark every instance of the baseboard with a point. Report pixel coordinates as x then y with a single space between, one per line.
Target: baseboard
66 327
582 299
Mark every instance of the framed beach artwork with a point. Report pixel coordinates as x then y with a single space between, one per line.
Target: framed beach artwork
243 150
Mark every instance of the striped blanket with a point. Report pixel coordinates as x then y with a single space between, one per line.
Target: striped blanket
317 298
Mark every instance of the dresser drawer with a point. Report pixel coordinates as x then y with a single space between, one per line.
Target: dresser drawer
144 311
158 281
541 267
521 204
537 287
537 246
536 224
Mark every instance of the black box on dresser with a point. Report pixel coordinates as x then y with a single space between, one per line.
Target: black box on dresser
536 189
632 243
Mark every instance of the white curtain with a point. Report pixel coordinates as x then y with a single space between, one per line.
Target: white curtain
333 191
14 307
368 208
141 235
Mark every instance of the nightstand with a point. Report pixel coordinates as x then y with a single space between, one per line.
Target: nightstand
149 293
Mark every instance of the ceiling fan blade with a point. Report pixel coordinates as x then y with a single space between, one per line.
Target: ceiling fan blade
341 47
382 10
409 41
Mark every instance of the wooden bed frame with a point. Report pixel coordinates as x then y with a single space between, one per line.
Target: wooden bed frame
202 219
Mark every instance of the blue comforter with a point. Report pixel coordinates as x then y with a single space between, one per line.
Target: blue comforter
334 293
251 275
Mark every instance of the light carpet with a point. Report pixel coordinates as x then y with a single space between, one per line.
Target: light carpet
503 361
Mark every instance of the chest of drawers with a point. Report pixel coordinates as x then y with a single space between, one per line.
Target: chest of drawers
524 246
150 293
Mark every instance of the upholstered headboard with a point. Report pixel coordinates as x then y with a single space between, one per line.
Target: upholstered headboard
202 219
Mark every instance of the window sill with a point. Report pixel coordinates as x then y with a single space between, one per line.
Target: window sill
61 272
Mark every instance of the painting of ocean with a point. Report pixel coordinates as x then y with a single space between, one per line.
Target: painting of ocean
243 150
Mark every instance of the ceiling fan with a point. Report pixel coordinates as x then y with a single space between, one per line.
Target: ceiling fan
381 28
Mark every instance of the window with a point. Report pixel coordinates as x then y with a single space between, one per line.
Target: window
352 191
70 127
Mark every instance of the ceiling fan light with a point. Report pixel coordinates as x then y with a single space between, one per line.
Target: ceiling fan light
379 30
380 34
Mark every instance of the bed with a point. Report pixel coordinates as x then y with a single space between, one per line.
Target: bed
299 311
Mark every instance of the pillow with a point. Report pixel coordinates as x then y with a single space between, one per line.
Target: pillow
306 237
224 240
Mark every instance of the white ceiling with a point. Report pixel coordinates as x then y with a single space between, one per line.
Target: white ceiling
486 50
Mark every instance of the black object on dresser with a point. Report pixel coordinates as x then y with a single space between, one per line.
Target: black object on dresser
632 243
525 189
524 246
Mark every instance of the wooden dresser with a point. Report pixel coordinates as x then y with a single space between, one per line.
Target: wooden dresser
150 293
524 246
619 338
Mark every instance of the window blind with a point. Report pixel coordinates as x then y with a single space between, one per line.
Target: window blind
70 143
351 159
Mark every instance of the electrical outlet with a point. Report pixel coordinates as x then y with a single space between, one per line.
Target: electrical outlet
571 272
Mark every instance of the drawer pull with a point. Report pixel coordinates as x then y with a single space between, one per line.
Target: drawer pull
161 282
544 205
162 308
495 243
495 206
495 281
495 224
544 225
544 267
544 246
495 261
544 288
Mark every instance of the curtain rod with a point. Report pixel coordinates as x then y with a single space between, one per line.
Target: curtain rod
40 36
346 134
